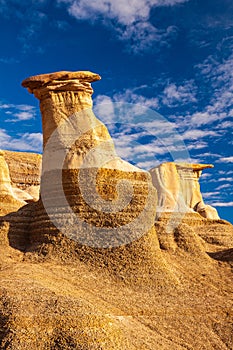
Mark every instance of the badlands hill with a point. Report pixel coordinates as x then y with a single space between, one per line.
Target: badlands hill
120 277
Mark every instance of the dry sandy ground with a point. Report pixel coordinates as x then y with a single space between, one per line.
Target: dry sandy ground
164 291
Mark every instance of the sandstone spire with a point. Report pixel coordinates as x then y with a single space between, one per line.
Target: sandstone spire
81 172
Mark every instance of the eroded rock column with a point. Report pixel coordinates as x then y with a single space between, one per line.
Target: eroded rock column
89 193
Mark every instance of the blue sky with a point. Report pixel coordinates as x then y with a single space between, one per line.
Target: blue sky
174 57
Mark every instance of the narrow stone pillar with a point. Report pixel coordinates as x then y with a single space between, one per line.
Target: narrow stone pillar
90 194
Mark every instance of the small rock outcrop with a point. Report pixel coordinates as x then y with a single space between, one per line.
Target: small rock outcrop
178 189
25 171
19 179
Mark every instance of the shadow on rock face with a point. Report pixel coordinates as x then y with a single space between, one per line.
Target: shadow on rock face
223 255
14 228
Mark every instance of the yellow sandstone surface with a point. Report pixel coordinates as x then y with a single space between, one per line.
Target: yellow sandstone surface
163 286
19 179
179 190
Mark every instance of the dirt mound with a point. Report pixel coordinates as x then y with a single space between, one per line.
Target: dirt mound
145 295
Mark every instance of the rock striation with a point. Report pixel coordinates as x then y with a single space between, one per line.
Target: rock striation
178 189
8 202
83 181
156 291
19 179
25 170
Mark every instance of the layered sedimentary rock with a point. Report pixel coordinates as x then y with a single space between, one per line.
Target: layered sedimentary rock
84 182
178 189
25 170
149 294
8 201
5 181
19 179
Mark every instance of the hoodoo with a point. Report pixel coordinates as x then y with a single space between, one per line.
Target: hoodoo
84 182
87 266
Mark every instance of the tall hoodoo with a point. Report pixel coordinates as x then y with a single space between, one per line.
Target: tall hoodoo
85 185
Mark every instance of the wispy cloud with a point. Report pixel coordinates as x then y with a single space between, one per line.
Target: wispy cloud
229 179
125 12
177 95
141 135
23 142
17 113
31 14
217 71
224 172
224 186
210 194
143 35
205 176
127 103
9 60
225 160
129 18
198 134
222 204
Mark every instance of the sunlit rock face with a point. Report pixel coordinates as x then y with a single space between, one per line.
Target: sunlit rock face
25 173
81 172
5 181
178 189
19 179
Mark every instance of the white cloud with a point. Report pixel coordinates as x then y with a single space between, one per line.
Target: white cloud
133 110
174 95
104 106
202 118
126 105
149 164
207 195
226 125
23 116
129 18
205 176
18 112
129 96
222 204
225 160
143 35
23 142
196 145
126 12
223 186
217 109
230 179
223 172
218 72
198 134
